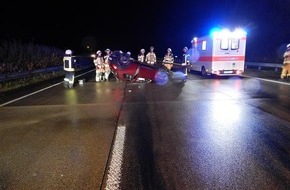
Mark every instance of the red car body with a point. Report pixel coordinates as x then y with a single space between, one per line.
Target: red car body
127 69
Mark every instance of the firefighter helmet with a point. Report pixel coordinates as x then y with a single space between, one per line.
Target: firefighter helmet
68 52
99 51
169 49
288 46
142 50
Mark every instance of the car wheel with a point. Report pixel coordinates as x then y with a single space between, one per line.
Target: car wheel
203 71
161 77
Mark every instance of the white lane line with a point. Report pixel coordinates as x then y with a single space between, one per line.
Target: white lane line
29 94
268 80
114 173
6 103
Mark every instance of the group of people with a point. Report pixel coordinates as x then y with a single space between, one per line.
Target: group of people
168 59
103 68
102 65
149 58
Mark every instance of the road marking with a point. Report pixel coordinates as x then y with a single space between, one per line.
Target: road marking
6 103
114 173
29 94
268 80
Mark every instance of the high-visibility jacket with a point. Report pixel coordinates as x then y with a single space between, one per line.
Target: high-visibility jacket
99 63
151 58
141 57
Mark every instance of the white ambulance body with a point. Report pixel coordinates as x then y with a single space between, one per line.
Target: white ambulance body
220 53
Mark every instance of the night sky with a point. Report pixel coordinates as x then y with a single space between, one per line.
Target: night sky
132 25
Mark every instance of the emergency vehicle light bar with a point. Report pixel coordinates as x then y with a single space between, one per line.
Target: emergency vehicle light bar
220 33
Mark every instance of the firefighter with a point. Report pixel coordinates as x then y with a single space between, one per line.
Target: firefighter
141 56
107 69
184 56
185 61
99 63
168 59
151 56
69 68
285 74
129 55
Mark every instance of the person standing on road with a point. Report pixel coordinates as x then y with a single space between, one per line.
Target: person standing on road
168 59
285 74
141 56
107 69
99 63
184 56
185 62
69 68
151 56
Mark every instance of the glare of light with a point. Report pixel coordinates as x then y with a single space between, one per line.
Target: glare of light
252 85
225 32
114 67
214 31
71 96
194 40
226 112
239 32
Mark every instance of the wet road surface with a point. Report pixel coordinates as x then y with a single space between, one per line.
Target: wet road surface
226 133
208 133
59 138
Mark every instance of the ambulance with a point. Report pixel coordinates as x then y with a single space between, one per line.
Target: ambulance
222 53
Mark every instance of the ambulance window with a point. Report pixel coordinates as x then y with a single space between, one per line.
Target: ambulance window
235 43
224 43
203 45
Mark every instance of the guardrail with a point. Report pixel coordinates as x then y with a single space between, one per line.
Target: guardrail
261 66
17 75
82 62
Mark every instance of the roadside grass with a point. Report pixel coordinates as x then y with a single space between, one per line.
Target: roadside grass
27 81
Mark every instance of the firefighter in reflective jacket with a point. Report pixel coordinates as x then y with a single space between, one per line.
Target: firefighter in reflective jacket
69 68
168 59
141 56
151 56
107 69
99 63
286 64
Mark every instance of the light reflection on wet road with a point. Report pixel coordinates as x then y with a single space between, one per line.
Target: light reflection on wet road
208 134
227 133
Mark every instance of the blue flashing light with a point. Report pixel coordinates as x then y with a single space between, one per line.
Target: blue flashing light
224 32
214 31
240 32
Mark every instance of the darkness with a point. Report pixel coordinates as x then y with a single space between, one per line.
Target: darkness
132 25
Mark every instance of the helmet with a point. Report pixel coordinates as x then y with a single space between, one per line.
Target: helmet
99 51
169 49
288 46
128 53
185 48
108 50
68 52
142 50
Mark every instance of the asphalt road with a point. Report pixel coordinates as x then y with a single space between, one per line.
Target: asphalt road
209 133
